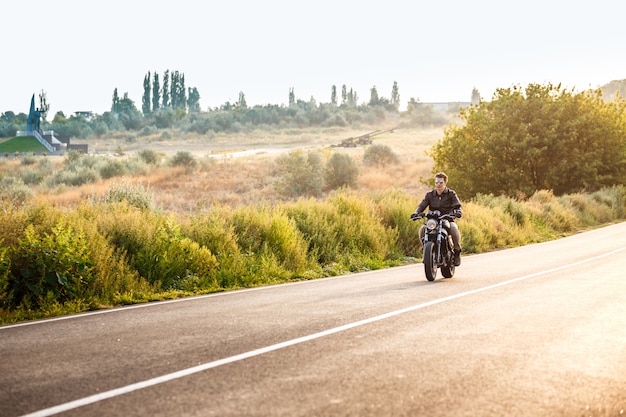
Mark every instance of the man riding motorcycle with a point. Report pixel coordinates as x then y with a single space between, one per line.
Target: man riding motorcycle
446 201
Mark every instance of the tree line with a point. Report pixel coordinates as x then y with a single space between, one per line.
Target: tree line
167 103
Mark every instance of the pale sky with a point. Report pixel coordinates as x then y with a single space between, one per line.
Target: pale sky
79 52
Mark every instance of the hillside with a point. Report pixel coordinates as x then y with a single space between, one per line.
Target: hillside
22 144
610 90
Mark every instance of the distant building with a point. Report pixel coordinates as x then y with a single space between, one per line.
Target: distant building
88 115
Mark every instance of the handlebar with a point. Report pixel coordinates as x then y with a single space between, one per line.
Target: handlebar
436 214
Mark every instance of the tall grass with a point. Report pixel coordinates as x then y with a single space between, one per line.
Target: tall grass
111 251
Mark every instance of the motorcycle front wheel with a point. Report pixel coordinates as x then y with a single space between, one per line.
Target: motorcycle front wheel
447 271
430 264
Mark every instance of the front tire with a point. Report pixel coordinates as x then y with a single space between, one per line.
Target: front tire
430 264
447 271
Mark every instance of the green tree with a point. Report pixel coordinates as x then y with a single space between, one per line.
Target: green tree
292 97
475 96
128 114
166 89
395 96
241 103
374 99
116 101
543 137
333 95
156 92
344 94
178 94
145 99
193 100
182 93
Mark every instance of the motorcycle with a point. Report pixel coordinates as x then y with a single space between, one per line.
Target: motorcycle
438 245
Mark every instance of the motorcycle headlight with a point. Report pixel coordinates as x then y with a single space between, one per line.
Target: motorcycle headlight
431 224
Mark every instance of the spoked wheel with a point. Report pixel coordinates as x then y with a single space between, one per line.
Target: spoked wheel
430 265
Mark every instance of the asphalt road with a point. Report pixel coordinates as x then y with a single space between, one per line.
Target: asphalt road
532 331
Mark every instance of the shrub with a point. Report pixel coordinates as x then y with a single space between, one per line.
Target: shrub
344 233
341 171
29 160
379 155
183 159
270 239
112 168
135 195
31 177
74 176
149 156
300 175
5 264
54 262
394 208
14 191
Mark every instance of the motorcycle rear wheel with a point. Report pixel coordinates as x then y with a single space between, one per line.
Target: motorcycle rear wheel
430 264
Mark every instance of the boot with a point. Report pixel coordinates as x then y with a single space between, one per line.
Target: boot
457 257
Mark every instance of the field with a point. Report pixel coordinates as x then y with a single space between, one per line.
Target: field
238 169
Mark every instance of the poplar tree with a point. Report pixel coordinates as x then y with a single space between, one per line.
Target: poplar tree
116 101
182 93
395 96
292 97
374 99
333 95
156 92
166 89
145 100
174 89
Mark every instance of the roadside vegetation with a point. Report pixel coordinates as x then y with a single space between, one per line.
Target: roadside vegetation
150 222
120 250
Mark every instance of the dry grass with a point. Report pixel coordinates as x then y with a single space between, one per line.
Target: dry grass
237 170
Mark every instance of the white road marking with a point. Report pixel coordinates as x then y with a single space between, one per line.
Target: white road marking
209 365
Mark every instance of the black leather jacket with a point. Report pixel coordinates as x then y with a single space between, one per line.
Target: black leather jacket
446 203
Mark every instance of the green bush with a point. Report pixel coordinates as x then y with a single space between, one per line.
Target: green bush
215 231
394 208
341 171
5 269
379 155
112 168
135 195
344 233
176 262
14 191
300 175
149 156
184 159
29 160
269 237
74 176
54 262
